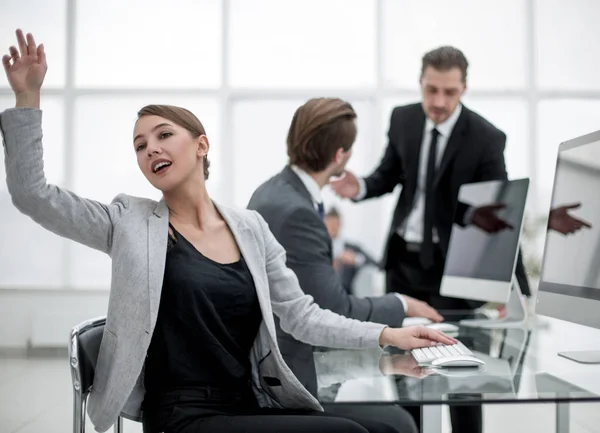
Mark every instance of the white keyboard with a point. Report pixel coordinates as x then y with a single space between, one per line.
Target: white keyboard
427 355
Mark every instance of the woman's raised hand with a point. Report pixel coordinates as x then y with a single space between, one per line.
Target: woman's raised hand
25 69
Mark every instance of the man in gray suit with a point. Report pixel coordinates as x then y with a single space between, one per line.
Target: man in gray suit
319 145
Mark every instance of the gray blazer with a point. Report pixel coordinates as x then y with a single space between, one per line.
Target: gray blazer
287 206
133 231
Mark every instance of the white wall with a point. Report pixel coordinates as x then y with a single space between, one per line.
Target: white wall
43 318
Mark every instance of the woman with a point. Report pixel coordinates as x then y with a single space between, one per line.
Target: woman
189 335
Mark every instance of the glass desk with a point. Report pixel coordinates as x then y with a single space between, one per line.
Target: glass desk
522 366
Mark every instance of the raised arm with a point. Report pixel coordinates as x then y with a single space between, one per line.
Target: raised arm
58 210
306 321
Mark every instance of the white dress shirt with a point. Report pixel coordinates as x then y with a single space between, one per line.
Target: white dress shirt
314 189
411 230
315 192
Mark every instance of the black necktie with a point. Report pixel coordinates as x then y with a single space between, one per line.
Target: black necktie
321 210
427 245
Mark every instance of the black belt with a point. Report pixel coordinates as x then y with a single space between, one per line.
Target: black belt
202 392
412 247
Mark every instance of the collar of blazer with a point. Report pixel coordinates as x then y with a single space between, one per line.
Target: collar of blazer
415 136
158 232
454 142
294 180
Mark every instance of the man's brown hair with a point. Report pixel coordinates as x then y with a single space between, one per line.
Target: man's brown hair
319 128
445 58
182 117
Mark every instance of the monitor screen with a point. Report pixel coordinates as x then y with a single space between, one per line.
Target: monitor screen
571 264
485 236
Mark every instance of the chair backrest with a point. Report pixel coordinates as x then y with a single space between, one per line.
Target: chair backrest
83 354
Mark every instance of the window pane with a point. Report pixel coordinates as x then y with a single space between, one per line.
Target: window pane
147 43
106 165
478 28
46 21
259 141
567 35
312 43
31 256
560 120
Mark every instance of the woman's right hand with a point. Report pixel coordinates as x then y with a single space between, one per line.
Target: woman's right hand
413 337
25 69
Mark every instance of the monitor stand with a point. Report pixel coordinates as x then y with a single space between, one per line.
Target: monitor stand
516 313
582 356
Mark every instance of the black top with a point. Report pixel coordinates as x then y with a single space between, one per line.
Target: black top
207 322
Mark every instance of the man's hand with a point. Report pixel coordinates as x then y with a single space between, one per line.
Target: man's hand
416 308
347 186
560 220
486 219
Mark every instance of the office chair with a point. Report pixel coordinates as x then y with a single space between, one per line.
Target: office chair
83 353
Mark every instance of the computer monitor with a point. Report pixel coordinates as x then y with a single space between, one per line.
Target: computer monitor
483 249
569 286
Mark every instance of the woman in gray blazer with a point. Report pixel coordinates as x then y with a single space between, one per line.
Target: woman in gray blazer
194 284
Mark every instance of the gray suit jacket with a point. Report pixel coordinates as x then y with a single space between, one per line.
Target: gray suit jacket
287 206
133 231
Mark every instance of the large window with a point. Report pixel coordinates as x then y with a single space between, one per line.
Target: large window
243 67
478 28
302 44
148 44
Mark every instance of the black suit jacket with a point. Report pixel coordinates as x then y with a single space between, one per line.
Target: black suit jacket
474 153
286 205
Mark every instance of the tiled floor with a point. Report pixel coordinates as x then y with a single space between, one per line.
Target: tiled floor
35 397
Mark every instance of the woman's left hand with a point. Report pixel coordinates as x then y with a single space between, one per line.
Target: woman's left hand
413 337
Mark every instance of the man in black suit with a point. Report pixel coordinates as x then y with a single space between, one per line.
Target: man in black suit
319 145
435 146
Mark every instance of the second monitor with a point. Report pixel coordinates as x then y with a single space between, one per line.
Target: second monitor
484 245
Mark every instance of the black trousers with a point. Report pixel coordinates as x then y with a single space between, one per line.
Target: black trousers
197 411
405 275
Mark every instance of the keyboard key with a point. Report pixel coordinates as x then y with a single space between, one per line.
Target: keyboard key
426 355
436 352
419 355
445 351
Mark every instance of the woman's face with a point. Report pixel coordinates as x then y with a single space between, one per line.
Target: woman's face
167 153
